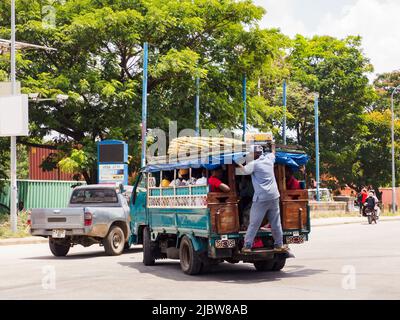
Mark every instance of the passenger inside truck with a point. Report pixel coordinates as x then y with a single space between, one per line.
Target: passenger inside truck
167 177
245 193
217 180
291 182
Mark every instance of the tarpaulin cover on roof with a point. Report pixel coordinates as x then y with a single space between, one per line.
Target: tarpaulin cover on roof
293 160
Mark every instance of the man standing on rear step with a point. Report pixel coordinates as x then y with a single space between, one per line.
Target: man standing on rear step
265 200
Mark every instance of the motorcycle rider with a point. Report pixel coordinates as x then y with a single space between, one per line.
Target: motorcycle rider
377 209
362 197
371 202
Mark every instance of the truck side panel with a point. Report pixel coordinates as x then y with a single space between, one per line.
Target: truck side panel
194 221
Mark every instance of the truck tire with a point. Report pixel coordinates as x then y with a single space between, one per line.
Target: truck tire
276 264
114 242
189 259
58 248
279 264
263 266
148 251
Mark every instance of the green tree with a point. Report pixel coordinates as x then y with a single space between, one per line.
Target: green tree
384 84
337 70
373 164
98 65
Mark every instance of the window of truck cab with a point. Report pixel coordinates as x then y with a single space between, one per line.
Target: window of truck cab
140 186
93 196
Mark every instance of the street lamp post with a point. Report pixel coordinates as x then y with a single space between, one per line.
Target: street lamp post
317 177
244 94
13 144
393 154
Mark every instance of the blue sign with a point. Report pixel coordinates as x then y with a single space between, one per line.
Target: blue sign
112 162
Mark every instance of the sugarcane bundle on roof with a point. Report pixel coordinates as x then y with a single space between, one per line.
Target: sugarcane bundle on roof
192 146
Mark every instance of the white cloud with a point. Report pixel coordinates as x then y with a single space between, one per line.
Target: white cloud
378 23
281 14
375 20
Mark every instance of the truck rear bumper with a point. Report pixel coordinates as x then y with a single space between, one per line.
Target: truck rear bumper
68 232
261 255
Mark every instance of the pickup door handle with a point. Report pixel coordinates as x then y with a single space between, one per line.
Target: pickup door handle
56 211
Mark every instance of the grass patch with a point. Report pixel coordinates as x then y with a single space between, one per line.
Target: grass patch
5 226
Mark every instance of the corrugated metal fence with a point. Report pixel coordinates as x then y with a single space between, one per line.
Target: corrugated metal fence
40 194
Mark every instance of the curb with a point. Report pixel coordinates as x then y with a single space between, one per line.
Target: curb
20 241
351 222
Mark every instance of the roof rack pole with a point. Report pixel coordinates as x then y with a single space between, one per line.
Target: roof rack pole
144 103
284 114
197 106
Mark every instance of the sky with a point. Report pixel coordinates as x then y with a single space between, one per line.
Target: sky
377 21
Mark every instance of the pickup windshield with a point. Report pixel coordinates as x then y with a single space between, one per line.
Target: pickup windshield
84 196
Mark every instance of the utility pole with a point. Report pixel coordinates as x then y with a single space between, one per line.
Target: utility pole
198 106
394 205
244 106
284 114
317 178
144 103
13 144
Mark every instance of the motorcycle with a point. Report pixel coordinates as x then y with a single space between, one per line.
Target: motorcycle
372 215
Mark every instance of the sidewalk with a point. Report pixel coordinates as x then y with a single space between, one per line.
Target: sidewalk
323 222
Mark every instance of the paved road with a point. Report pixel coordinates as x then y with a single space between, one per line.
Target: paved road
340 262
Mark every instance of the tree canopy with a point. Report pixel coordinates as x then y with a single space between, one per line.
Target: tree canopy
98 64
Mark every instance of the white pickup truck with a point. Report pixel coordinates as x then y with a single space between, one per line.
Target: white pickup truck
96 214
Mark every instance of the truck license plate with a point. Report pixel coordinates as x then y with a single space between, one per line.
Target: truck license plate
225 244
295 240
58 234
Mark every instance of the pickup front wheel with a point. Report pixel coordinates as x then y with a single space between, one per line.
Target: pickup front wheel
59 248
114 242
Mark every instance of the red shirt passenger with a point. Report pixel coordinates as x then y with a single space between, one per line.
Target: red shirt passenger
364 194
215 182
291 182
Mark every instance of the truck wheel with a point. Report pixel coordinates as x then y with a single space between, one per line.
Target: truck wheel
279 264
114 242
190 261
59 249
263 266
148 254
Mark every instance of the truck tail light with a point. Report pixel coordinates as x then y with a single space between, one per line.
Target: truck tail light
88 217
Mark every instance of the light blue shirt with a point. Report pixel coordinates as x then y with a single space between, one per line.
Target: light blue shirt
263 178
